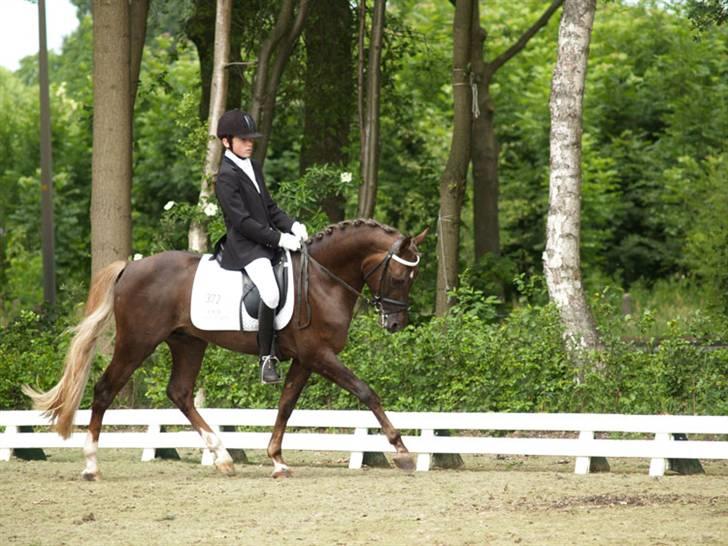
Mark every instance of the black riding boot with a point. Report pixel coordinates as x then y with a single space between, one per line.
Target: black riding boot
268 360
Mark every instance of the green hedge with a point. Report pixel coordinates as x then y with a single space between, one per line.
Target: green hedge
465 362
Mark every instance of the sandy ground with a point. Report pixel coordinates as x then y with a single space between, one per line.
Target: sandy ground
515 500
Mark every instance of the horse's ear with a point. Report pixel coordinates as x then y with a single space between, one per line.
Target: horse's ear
421 237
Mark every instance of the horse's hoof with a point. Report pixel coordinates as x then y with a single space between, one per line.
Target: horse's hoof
282 472
227 468
90 476
404 461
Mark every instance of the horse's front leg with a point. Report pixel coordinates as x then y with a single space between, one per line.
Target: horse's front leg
296 379
329 366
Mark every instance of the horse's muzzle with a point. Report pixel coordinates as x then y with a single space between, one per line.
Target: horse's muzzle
394 322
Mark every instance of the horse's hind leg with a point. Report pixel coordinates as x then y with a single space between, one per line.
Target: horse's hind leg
187 353
295 381
127 357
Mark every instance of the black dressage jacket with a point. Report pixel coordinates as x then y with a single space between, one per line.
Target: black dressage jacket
253 220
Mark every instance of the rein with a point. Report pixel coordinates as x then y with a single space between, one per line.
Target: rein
376 301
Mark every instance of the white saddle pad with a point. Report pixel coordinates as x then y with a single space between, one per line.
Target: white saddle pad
217 293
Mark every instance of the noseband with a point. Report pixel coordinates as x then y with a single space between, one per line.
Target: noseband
379 300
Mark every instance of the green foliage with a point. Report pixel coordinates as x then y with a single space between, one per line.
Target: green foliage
301 198
707 233
465 362
30 346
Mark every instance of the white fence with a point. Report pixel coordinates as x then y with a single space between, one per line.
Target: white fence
472 434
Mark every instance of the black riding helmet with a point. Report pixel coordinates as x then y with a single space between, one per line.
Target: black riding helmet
237 123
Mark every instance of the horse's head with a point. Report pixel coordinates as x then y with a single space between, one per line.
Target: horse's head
390 277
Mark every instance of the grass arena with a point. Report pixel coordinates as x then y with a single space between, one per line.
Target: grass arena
491 500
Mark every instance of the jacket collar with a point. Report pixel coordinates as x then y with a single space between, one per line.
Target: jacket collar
239 166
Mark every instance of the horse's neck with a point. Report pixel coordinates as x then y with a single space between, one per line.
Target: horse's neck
344 253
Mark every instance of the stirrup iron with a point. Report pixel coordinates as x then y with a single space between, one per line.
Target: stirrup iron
268 372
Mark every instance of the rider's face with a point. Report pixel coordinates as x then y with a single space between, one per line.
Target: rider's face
242 147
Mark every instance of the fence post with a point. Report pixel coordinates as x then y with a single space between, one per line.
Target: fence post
583 463
148 453
357 457
6 452
424 460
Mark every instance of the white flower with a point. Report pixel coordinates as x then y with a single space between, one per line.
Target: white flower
345 177
210 209
138 257
169 205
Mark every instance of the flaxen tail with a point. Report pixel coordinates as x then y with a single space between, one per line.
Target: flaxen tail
61 402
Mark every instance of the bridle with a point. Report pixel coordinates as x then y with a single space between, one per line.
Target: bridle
378 301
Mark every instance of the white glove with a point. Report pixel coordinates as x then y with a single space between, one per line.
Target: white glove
289 242
299 230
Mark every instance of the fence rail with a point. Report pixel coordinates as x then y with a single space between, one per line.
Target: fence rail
306 426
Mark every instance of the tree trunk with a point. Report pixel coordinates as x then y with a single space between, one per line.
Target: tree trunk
200 29
274 54
370 138
562 265
484 147
46 166
452 182
361 73
111 159
484 151
328 89
197 235
138 11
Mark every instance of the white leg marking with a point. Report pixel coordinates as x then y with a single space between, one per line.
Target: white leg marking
214 444
89 450
279 467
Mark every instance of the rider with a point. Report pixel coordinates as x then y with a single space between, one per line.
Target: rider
256 227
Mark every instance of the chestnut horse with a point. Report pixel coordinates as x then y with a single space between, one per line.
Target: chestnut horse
150 301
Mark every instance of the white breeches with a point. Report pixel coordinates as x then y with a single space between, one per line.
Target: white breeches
261 273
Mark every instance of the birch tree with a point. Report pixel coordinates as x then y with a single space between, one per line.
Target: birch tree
200 29
197 235
561 260
369 107
452 182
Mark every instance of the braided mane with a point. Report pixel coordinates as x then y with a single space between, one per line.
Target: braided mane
345 224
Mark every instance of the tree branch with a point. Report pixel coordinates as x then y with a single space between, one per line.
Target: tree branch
508 54
267 49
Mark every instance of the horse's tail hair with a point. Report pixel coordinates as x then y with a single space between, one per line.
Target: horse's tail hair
61 402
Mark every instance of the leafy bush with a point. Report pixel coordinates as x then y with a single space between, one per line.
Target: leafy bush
31 348
466 361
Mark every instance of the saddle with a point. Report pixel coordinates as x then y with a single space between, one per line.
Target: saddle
225 300
251 295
